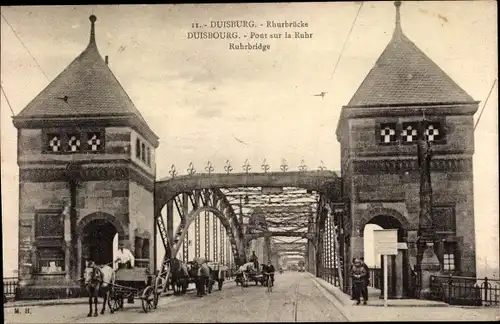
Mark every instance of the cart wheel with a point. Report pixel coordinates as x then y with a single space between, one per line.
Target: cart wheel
220 284
147 299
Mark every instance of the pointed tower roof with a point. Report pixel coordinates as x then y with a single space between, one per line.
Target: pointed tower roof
89 87
403 74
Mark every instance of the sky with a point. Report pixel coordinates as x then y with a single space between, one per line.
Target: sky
203 99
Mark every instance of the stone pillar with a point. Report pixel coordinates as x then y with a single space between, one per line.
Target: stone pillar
79 257
429 266
67 240
400 268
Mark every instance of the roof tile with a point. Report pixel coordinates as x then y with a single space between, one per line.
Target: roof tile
403 74
91 88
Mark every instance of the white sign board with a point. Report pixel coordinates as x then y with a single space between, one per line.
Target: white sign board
386 241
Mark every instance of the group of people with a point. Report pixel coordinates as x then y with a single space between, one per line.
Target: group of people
360 280
203 273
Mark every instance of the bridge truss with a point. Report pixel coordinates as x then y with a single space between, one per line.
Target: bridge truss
221 213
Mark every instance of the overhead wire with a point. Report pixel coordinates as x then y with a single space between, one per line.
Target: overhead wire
484 105
39 67
24 45
8 102
346 40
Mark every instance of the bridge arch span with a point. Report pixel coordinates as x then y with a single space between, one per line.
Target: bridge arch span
324 182
229 226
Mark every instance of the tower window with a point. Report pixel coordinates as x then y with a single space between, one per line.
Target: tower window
409 132
73 143
450 256
94 142
143 152
138 148
387 133
53 143
433 132
149 156
449 262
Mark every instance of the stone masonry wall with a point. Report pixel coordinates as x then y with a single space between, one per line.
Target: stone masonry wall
141 211
35 196
109 197
396 186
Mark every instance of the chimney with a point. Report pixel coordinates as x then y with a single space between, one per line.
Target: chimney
106 60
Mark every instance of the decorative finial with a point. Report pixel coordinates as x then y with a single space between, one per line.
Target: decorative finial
92 19
397 4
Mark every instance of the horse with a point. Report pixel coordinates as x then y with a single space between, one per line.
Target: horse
179 276
99 279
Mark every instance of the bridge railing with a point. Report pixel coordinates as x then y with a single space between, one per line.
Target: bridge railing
376 277
10 288
470 291
331 275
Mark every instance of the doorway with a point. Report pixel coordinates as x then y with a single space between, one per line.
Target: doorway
97 242
399 272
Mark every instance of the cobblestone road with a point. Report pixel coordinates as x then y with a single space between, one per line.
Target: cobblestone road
295 297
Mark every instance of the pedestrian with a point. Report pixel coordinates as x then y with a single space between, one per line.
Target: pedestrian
352 285
358 274
367 279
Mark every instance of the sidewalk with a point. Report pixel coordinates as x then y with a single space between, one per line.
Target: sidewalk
402 309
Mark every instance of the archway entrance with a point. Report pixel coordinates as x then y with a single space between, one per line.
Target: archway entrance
399 279
97 241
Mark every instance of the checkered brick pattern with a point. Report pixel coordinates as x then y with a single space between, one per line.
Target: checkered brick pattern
387 133
433 133
54 142
94 142
73 143
409 133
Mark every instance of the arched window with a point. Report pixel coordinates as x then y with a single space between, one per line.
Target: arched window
137 148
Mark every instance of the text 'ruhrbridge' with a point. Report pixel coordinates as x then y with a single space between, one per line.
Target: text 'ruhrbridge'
249 35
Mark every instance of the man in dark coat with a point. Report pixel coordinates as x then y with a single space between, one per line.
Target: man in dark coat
367 279
358 274
270 269
255 261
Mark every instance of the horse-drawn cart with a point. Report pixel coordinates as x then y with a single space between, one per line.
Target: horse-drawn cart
250 276
135 283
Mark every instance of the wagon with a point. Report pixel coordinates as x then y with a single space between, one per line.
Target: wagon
218 274
135 283
254 276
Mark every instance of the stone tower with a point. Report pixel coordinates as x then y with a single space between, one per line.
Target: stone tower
378 130
86 161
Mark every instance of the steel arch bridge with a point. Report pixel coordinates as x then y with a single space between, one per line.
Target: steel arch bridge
239 208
